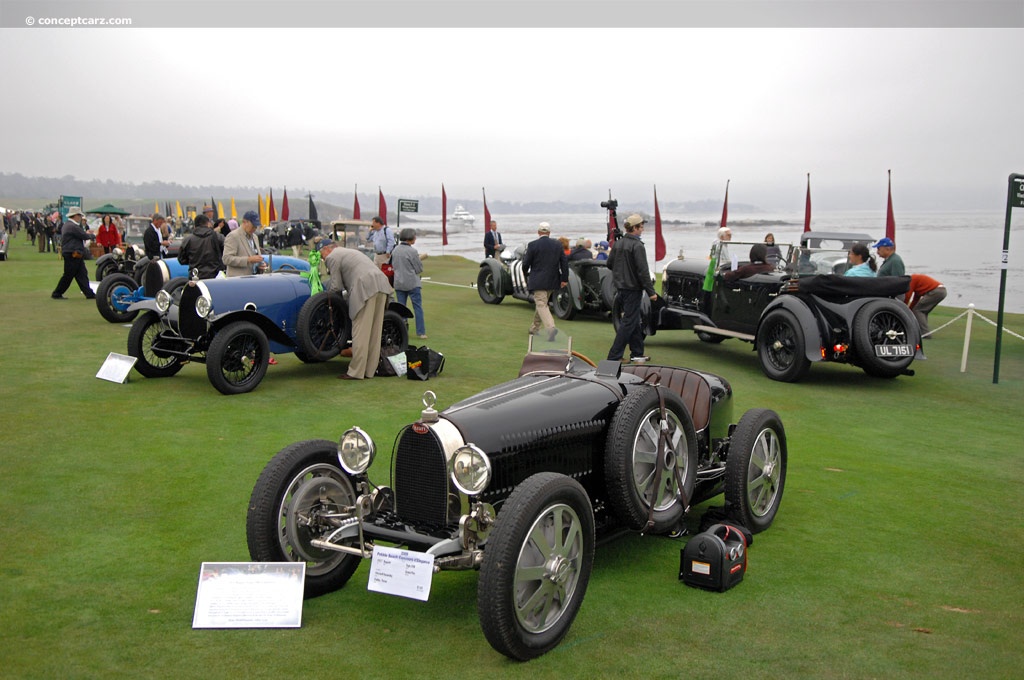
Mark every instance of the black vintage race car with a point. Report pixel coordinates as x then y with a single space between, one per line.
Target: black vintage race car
590 289
518 480
803 312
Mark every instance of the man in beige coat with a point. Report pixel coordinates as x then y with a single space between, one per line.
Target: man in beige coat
241 251
368 292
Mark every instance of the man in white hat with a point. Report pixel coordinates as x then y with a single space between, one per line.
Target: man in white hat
73 249
547 270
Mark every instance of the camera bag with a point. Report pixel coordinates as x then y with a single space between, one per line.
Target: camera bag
715 559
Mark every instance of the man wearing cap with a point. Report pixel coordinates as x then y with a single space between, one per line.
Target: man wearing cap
632 279
602 250
72 248
893 265
383 240
241 253
368 291
547 269
153 239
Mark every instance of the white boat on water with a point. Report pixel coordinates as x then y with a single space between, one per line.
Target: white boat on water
461 217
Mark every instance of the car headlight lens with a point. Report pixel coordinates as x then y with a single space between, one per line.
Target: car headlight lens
356 451
163 300
471 469
203 306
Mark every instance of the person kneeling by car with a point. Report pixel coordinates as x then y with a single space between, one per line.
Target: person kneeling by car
368 292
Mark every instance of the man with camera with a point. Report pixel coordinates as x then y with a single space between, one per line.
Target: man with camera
632 279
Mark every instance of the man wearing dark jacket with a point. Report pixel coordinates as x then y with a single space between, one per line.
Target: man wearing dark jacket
203 250
153 238
72 249
632 279
547 270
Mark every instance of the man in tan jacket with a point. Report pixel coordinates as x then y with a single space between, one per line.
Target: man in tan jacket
368 292
241 252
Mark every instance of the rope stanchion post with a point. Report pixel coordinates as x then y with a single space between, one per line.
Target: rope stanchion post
967 337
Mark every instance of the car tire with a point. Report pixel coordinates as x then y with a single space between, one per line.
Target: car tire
780 347
608 290
487 287
562 304
174 287
139 271
631 454
394 331
882 322
710 338
140 345
537 566
293 491
324 327
305 358
108 295
237 359
755 470
105 266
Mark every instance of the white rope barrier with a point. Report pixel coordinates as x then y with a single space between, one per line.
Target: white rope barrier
970 313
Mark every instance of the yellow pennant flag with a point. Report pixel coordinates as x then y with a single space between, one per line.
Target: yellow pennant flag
234 213
265 211
156 207
177 205
259 204
220 210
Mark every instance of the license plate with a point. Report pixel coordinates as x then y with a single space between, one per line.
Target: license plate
894 351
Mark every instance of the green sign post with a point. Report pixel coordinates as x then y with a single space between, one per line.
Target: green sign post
66 203
406 205
1014 199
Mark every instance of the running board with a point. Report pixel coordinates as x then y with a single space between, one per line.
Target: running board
721 331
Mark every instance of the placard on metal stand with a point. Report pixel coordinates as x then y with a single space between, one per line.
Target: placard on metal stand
1014 199
116 367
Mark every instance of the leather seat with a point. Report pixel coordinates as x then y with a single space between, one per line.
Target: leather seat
691 386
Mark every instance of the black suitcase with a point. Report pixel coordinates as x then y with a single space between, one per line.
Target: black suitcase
715 559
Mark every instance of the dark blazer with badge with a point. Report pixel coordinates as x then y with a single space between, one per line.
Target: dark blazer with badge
545 264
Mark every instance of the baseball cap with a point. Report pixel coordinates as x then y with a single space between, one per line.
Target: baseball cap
543 228
634 220
252 216
885 243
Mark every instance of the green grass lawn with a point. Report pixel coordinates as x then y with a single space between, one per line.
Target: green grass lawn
897 551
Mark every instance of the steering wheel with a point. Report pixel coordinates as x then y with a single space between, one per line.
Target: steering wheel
584 359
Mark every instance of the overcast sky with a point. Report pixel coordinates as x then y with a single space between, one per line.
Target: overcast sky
530 114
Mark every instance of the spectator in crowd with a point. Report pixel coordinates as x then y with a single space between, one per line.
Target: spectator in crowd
203 250
49 228
757 265
862 262
547 269
232 225
383 240
241 254
368 292
632 279
924 294
107 236
773 254
581 251
492 241
73 249
153 239
564 242
893 265
296 238
408 264
220 225
602 250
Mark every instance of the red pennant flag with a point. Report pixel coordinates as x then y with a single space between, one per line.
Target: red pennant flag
807 206
273 212
890 219
444 217
487 213
356 214
284 205
659 240
611 223
383 208
725 207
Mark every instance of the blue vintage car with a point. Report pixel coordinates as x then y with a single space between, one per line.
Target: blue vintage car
233 324
117 292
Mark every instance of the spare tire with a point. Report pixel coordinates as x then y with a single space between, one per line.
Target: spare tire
323 326
884 322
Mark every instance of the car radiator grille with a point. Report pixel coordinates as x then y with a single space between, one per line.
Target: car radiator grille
421 480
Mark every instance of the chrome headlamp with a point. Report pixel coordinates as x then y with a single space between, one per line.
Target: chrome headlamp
163 300
470 469
356 451
204 305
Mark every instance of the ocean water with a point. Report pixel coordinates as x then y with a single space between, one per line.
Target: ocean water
963 250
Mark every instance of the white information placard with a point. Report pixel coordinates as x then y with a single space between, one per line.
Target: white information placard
116 367
250 595
401 572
